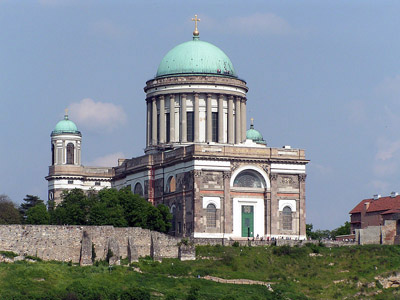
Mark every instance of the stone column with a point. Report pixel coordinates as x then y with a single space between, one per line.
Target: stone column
162 119
243 118
302 204
154 122
238 122
148 127
273 212
196 116
228 205
172 118
209 119
230 120
220 118
183 119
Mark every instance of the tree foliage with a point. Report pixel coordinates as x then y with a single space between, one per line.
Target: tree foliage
38 215
327 234
9 213
119 208
29 202
342 230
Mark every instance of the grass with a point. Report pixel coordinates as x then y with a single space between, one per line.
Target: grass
331 273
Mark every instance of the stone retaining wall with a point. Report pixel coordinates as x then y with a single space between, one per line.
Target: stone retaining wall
75 243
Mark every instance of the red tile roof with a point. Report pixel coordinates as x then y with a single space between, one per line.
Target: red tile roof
391 211
381 204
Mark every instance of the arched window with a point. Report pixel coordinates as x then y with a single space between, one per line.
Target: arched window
171 185
211 215
70 154
249 179
287 218
52 154
138 189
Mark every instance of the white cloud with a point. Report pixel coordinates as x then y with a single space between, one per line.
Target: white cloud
97 115
109 160
387 150
390 86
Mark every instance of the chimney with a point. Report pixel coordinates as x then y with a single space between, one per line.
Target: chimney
377 196
394 194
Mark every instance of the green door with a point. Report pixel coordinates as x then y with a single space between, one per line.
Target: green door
247 221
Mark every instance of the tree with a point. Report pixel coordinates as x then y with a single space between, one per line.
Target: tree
9 214
318 234
342 230
30 201
38 215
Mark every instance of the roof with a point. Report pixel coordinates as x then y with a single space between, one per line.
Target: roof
196 58
65 126
382 204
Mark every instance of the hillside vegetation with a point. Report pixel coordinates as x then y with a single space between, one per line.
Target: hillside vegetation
310 272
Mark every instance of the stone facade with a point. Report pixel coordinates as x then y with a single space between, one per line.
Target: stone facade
75 243
387 234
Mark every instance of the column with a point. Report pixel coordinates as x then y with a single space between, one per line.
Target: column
243 118
154 122
220 118
209 119
183 119
196 116
230 120
172 118
162 119
148 127
238 122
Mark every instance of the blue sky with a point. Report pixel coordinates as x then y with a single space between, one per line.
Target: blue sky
324 76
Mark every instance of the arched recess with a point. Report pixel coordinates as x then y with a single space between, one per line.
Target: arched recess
70 154
138 190
287 218
211 215
53 155
170 186
251 174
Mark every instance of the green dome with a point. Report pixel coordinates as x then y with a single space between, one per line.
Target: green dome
255 135
65 126
196 57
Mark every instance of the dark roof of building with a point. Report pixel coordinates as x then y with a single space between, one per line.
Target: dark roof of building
381 204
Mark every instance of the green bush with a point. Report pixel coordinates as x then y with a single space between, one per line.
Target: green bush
8 254
236 244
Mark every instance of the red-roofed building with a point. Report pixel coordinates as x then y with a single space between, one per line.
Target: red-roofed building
375 211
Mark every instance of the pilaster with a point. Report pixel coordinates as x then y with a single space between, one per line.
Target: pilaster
183 119
162 119
220 118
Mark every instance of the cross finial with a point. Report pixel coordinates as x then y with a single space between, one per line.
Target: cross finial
66 114
252 122
195 19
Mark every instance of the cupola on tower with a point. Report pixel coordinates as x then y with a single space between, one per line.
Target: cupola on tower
195 97
66 143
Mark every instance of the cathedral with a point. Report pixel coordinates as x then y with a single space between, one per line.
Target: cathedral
218 178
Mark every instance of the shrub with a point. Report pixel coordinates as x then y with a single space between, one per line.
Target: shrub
236 244
8 254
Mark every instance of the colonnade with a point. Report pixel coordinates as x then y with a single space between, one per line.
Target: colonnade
234 125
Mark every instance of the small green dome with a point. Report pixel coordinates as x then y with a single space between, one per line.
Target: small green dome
255 135
196 57
65 126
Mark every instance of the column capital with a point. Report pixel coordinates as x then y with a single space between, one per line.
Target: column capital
243 99
302 177
161 97
172 96
209 95
184 95
153 99
230 97
221 96
274 176
227 175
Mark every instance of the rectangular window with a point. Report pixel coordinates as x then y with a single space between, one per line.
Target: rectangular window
70 182
168 126
215 127
179 227
97 183
190 126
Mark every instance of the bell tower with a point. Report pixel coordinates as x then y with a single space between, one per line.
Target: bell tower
66 143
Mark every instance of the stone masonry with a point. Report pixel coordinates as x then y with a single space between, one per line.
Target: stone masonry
75 243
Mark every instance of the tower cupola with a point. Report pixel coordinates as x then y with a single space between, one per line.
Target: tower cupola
66 143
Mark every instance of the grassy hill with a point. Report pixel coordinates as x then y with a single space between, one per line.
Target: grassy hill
310 272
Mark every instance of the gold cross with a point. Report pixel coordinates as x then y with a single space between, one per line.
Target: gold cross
195 19
66 114
252 120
